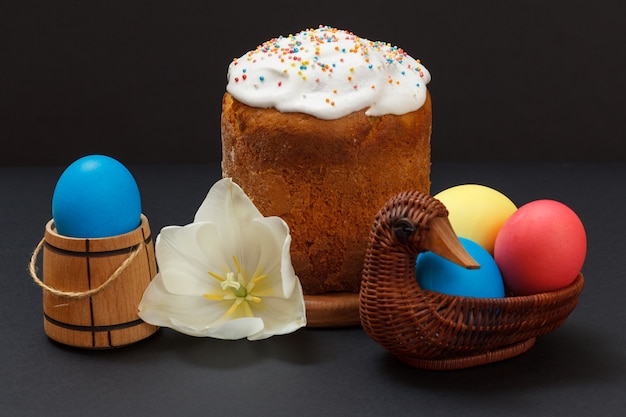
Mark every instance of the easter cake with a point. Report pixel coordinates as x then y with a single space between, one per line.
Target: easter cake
321 128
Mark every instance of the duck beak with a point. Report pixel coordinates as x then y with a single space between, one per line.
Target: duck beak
442 240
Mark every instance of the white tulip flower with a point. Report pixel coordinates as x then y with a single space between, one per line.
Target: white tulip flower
227 275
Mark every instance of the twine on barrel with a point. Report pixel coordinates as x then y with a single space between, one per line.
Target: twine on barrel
79 295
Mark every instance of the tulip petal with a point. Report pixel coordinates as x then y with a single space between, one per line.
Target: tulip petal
226 200
157 306
184 258
282 316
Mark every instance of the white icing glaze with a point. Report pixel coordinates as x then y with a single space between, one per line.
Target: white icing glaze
328 73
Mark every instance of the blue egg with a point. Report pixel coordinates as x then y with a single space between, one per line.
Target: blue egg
96 196
438 274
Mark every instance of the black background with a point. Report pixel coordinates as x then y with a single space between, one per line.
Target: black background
529 98
142 81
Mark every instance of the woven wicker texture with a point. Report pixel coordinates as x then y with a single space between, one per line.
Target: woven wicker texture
430 330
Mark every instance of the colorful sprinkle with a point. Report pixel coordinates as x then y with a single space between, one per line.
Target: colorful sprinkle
331 60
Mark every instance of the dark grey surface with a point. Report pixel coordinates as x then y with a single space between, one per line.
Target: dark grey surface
143 81
579 369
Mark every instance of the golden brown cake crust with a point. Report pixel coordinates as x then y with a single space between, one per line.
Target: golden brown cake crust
325 178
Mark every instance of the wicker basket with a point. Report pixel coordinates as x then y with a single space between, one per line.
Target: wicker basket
430 330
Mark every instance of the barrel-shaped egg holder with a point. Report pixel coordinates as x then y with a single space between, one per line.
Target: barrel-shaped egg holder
92 287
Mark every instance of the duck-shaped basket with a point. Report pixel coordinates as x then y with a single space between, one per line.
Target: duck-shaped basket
431 330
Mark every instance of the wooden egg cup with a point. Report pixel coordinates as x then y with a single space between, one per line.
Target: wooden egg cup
92 287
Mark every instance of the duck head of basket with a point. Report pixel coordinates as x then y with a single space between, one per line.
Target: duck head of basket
430 330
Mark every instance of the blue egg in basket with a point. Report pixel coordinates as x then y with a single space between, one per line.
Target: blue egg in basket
438 274
96 196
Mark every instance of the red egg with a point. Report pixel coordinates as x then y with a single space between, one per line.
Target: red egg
541 247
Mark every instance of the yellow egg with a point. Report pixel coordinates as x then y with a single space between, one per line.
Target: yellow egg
477 212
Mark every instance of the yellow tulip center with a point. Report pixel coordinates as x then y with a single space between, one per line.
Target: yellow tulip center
237 287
